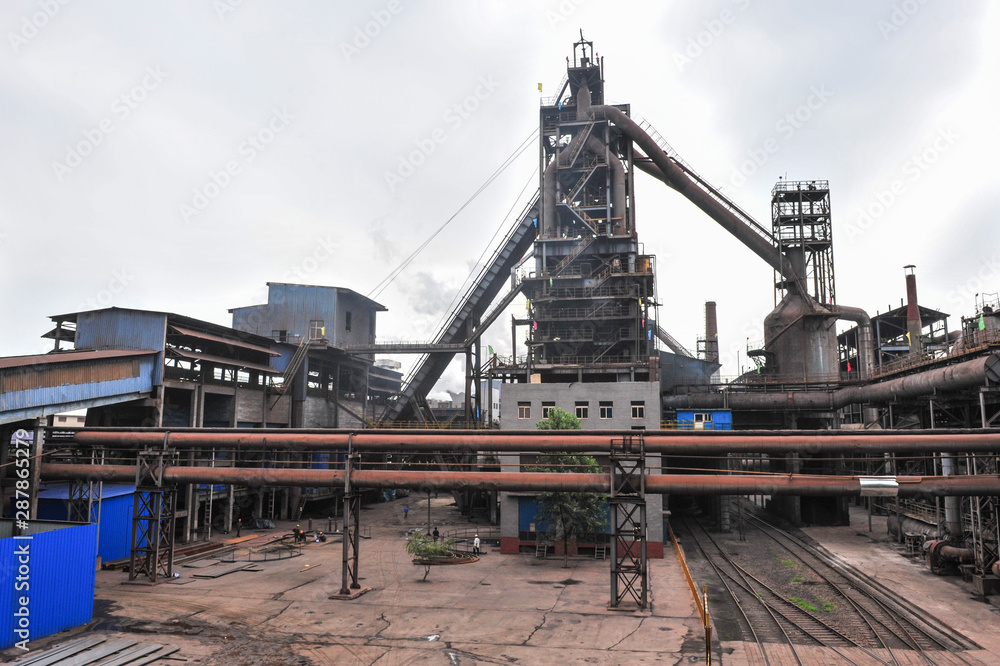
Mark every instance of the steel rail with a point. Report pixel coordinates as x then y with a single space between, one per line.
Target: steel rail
862 587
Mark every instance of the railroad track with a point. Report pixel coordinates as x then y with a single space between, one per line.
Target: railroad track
777 625
892 621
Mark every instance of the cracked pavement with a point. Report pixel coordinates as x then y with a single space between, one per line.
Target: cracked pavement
503 609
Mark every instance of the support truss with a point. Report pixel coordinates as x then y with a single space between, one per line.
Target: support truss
629 570
152 518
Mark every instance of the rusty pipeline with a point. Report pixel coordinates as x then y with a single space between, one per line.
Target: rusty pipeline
665 442
663 484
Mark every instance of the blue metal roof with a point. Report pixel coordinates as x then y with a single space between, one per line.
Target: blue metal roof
57 383
62 491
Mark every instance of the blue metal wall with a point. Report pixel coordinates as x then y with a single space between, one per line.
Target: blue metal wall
115 328
60 582
115 534
290 307
715 419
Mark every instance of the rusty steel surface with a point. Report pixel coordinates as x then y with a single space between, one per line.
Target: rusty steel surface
665 484
667 442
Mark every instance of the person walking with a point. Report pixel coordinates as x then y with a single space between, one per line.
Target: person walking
436 535
475 545
239 527
406 511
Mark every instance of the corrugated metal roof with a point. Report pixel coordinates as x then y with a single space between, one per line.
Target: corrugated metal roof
219 360
68 357
225 341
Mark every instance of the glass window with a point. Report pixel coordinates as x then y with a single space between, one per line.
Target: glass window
606 409
524 410
279 336
546 408
582 409
317 329
638 409
347 321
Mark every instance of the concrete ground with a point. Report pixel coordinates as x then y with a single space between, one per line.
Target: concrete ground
503 609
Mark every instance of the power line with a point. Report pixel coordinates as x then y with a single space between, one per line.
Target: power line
388 279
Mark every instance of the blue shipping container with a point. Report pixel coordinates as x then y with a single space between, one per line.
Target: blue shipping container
53 571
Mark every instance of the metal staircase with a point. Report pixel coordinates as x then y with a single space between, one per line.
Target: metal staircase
568 157
577 250
483 290
293 367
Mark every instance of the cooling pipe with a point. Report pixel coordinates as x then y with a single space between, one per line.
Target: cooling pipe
866 351
941 552
660 484
618 196
956 377
952 505
914 526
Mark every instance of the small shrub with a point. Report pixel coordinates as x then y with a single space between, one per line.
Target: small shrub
803 604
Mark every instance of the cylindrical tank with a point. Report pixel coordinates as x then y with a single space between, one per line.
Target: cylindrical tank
803 343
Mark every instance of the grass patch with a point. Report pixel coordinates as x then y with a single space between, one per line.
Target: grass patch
798 579
829 606
789 563
803 604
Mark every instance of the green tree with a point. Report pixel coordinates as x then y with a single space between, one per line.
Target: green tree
569 515
424 549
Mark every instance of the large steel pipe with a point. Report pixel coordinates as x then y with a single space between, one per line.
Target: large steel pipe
965 375
666 484
667 442
675 177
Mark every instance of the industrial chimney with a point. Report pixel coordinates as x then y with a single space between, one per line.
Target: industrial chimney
913 323
711 333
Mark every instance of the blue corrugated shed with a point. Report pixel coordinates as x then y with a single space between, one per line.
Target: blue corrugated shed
706 419
115 533
56 577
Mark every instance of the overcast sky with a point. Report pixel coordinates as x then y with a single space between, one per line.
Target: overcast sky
177 156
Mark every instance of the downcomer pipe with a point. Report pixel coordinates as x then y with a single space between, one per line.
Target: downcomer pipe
967 374
866 352
664 484
675 177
